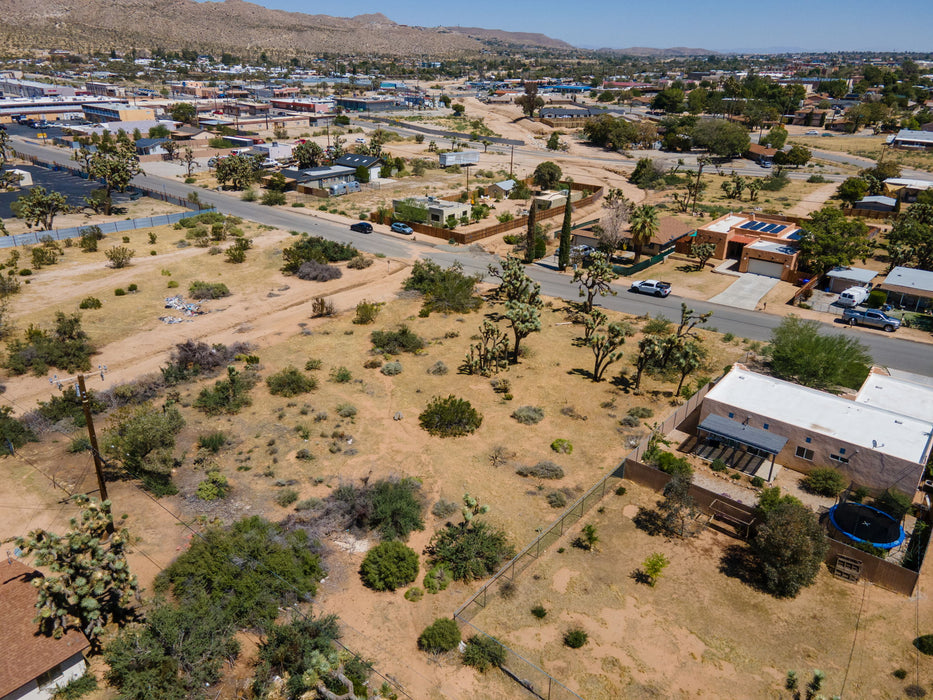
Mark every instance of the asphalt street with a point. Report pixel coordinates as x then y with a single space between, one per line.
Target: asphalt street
887 350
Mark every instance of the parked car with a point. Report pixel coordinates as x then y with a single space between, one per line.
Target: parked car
399 227
813 132
872 318
764 163
853 296
362 227
658 289
361 140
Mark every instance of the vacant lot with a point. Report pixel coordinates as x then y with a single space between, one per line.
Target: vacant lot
868 147
699 632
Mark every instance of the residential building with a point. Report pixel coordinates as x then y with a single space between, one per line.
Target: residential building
151 147
908 139
355 160
32 665
501 189
274 150
438 210
568 118
315 106
760 154
840 279
193 88
320 178
763 245
909 288
671 230
906 189
754 420
876 203
116 112
192 133
811 116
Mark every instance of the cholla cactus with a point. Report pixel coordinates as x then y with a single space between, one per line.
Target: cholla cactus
472 507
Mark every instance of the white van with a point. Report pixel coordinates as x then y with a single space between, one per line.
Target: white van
853 296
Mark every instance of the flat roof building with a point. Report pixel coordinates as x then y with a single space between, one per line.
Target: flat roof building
116 112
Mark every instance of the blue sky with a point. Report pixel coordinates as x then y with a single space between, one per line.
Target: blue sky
721 25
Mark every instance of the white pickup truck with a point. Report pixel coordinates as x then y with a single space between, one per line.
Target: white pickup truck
658 289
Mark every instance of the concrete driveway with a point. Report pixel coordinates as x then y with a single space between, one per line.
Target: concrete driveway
746 291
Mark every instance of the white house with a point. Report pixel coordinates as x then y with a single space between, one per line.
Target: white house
32 665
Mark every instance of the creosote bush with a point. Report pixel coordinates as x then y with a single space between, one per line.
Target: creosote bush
290 382
208 290
482 653
824 481
575 638
366 312
389 565
397 341
90 303
450 417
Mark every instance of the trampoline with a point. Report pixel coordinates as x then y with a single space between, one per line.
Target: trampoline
866 524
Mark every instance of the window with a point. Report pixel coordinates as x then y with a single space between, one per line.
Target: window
49 676
842 450
804 453
839 458
765 426
731 414
808 440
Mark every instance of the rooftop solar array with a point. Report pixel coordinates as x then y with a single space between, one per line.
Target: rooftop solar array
763 227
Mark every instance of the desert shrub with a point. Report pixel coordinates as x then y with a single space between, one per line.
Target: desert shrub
208 290
542 470
390 369
445 290
360 262
78 445
528 415
119 256
899 673
341 375
441 635
372 363
556 499
562 446
65 347
396 508
640 412
444 508
575 638
469 550
290 382
758 482
450 417
672 464
314 271
539 611
142 439
621 491
90 303
346 410
77 688
317 249
482 653
438 369
90 235
437 579
414 594
13 431
214 487
228 395
119 292
389 565
308 504
212 442
396 342
286 497
313 364
924 644
271 198
366 312
629 422
717 465
133 288
824 481
67 406
193 358
172 284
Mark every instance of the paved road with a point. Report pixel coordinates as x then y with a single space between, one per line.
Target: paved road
887 350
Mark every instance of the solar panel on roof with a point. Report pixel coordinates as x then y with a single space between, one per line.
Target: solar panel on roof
759 226
769 228
780 228
747 225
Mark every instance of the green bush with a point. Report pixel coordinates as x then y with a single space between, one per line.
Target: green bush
304 651
172 284
215 486
717 465
271 198
640 412
346 410
437 579
313 364
90 303
396 508
924 644
389 565
228 395
441 635
79 444
119 292
672 464
483 653
539 611
212 442
317 249
450 417
208 290
894 503
13 431
396 342
68 406
876 298
341 375
77 688
445 290
286 497
470 550
366 312
758 482
562 446
824 481
65 347
414 594
290 382
528 415
390 369
142 438
575 638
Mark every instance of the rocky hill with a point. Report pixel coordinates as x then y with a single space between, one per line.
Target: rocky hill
232 25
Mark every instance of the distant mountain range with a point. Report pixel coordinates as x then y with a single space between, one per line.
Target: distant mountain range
658 53
245 28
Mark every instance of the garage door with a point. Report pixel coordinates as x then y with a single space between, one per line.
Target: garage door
763 267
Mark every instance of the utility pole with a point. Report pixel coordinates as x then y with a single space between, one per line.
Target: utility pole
512 162
81 390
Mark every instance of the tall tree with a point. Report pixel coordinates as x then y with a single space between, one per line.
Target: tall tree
650 351
643 226
90 583
116 167
547 175
617 209
531 232
790 545
522 301
530 101
566 231
184 112
800 353
911 239
829 240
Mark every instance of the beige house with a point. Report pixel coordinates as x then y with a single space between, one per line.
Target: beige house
881 439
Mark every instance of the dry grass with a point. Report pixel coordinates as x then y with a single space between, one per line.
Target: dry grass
870 147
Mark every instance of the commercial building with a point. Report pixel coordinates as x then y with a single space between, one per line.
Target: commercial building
100 89
11 87
877 440
366 104
116 112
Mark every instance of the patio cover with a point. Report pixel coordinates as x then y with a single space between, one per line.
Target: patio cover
744 434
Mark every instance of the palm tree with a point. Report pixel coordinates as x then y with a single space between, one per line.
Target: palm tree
643 226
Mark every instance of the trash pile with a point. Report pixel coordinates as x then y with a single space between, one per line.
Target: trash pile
178 303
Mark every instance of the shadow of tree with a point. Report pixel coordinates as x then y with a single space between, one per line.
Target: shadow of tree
739 562
649 521
624 382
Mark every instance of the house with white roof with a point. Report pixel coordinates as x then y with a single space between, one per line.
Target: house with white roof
909 288
878 440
